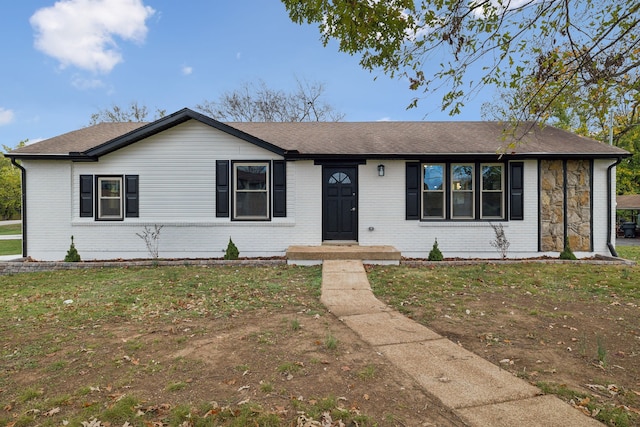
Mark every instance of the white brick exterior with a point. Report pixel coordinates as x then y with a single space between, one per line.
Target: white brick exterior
382 206
176 170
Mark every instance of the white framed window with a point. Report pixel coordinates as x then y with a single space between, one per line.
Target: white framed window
110 200
492 193
433 190
251 190
462 191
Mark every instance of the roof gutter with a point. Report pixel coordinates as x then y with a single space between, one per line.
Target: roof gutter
73 156
612 248
23 172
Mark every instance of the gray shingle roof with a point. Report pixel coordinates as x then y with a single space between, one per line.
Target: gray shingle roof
416 138
327 139
79 140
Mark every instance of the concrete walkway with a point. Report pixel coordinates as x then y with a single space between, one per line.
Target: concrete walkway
477 391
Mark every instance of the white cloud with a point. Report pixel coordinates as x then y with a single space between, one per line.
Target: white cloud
239 55
500 6
82 83
186 70
81 33
6 116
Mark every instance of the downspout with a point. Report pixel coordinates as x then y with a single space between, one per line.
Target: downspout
23 172
612 249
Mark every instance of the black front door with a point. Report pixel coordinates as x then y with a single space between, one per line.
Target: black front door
340 203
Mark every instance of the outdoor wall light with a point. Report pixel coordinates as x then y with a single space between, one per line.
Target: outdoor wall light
380 170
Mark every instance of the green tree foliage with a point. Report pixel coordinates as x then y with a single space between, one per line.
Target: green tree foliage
567 253
459 46
628 172
10 186
435 254
607 110
232 252
72 254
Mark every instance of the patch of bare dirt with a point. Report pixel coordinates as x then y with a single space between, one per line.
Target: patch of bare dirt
277 360
591 348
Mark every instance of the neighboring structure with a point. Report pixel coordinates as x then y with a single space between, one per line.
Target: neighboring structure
628 207
271 185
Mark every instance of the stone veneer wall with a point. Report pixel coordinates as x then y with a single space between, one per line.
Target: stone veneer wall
579 205
578 198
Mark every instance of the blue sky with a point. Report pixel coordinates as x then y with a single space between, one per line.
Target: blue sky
64 60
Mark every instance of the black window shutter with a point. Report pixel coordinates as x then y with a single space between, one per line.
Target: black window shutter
279 188
86 195
413 191
516 191
131 196
222 188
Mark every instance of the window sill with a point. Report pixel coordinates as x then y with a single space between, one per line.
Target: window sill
219 222
472 223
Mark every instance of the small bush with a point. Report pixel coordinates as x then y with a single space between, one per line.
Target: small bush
500 242
567 253
435 254
232 251
151 239
72 253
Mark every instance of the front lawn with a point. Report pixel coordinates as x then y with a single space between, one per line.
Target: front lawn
571 329
253 345
10 247
10 229
190 346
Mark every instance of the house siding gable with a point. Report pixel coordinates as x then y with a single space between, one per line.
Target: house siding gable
178 164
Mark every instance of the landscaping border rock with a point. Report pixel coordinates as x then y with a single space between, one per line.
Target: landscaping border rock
28 266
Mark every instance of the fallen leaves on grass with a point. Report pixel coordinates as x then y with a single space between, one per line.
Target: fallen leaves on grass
612 389
52 412
325 421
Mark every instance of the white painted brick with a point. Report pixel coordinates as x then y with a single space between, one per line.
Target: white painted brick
177 190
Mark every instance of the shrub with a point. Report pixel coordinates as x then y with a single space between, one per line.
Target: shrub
435 254
567 253
232 251
151 239
500 242
72 253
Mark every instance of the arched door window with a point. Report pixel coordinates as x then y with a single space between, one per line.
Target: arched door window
339 178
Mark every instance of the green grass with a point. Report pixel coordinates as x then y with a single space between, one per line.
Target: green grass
404 286
176 386
289 367
114 294
331 342
367 373
10 247
131 298
10 229
629 252
602 411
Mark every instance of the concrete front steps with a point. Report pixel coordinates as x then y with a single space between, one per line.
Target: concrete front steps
309 255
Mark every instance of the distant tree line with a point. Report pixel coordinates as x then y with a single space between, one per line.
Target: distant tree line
252 102
10 186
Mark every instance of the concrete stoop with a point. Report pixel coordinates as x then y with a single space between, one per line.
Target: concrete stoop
343 251
477 391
